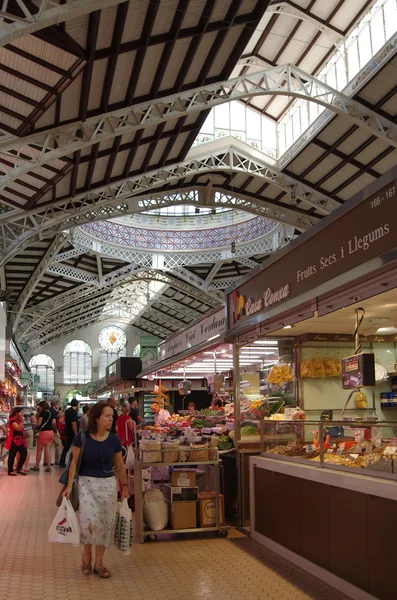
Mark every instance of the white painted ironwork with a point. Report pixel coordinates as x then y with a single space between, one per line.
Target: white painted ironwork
73 273
261 245
282 8
214 271
48 13
247 262
53 311
222 284
68 254
39 149
121 198
36 276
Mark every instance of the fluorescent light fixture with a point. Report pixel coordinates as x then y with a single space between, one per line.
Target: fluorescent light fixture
387 330
287 327
214 337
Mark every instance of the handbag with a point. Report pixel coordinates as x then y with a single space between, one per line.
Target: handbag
38 429
73 496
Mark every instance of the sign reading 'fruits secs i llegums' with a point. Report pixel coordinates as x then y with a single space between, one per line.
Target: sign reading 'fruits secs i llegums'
367 230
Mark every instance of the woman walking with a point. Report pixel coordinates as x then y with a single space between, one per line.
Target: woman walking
46 426
97 485
16 442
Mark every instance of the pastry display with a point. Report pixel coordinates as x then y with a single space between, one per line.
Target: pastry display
361 400
306 369
318 368
280 373
330 367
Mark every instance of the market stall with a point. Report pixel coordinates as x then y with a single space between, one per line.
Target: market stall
326 459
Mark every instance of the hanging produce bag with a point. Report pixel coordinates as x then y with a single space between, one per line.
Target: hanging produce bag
130 458
124 529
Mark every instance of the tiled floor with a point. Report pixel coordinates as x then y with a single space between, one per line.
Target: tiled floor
204 568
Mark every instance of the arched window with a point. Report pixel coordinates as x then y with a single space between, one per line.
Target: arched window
77 362
137 351
43 366
112 345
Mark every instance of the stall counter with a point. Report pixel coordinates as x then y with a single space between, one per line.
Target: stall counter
338 526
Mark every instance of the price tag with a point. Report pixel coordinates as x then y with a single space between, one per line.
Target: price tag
353 456
389 450
310 448
341 448
330 451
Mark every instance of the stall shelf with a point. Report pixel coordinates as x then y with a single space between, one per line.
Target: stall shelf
141 533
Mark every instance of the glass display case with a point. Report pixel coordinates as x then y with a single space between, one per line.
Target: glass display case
366 446
148 414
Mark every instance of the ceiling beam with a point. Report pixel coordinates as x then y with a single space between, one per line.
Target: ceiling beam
73 273
121 198
45 14
284 80
35 278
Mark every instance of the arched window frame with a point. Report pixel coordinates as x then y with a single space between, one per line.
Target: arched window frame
43 366
107 357
77 362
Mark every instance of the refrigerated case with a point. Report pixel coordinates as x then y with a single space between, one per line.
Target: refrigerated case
148 414
324 496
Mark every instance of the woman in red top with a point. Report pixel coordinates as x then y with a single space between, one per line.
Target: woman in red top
125 426
16 442
61 426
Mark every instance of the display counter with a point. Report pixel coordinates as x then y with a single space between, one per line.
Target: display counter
324 496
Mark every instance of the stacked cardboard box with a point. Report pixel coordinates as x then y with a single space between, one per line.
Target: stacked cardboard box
182 495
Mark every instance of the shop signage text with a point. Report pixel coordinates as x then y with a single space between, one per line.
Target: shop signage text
366 231
203 331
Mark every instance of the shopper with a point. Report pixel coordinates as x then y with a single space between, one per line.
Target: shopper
161 415
57 443
97 485
134 412
46 425
29 422
84 418
61 426
216 404
71 422
112 402
125 426
16 443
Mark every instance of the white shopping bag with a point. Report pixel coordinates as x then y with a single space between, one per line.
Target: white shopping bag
124 531
130 459
65 528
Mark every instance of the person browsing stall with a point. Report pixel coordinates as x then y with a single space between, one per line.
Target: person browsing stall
16 442
112 402
125 426
134 412
71 424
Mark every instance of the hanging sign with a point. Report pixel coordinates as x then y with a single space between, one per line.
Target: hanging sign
349 239
209 328
149 350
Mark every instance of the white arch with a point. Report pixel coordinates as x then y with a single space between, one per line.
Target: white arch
41 360
77 346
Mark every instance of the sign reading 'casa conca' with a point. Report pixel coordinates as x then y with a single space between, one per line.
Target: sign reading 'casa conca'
353 237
